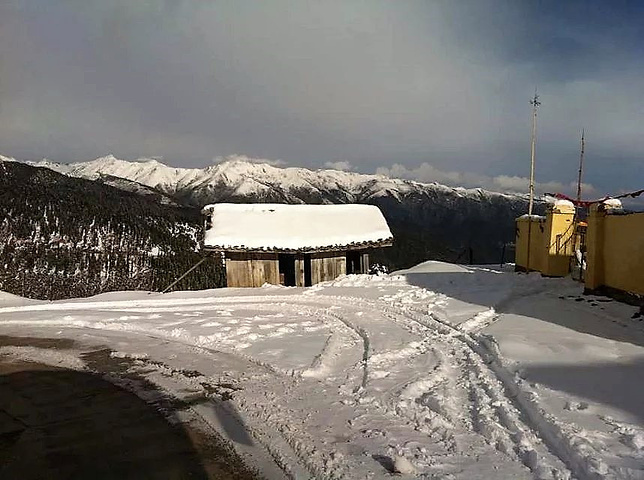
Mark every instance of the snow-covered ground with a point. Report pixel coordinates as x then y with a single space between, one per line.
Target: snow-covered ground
439 371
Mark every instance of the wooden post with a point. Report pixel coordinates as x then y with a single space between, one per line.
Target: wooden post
299 271
535 103
184 275
581 167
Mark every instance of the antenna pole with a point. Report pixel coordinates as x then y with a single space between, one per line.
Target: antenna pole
535 104
581 166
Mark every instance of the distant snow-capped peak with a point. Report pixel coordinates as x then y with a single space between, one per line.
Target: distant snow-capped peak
241 176
7 159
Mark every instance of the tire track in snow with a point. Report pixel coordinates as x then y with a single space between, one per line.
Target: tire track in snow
479 321
365 344
339 314
568 450
526 453
521 435
498 433
508 421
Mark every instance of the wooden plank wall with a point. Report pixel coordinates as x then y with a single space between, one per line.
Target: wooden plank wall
251 270
256 269
365 263
299 271
327 266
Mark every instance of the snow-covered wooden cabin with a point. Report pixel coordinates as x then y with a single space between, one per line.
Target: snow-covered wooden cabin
293 245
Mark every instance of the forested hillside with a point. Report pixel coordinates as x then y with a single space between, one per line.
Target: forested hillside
68 237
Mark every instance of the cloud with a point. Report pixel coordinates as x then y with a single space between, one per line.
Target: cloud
307 81
426 173
341 165
244 158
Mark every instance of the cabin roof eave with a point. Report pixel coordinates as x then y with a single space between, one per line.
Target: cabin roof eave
332 248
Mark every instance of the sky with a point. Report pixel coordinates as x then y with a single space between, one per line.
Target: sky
426 90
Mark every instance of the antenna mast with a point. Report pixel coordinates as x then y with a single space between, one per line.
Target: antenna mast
535 103
581 166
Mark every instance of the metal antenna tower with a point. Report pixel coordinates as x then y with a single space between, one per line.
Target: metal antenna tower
535 104
581 166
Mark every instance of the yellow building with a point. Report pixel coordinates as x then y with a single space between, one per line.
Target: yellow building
614 243
546 244
615 250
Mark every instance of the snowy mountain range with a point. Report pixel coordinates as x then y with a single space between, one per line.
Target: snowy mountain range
238 178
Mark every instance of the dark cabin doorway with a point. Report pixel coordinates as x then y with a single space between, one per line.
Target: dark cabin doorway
287 269
307 270
354 262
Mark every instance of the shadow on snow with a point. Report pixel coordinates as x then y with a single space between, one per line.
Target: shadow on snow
60 423
490 289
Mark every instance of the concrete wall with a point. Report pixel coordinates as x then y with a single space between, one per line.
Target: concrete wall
545 244
615 250
251 269
530 251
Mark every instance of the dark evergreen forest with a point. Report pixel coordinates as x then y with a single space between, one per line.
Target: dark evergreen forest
64 237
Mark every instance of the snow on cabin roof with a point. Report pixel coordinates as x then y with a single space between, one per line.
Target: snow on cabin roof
294 227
